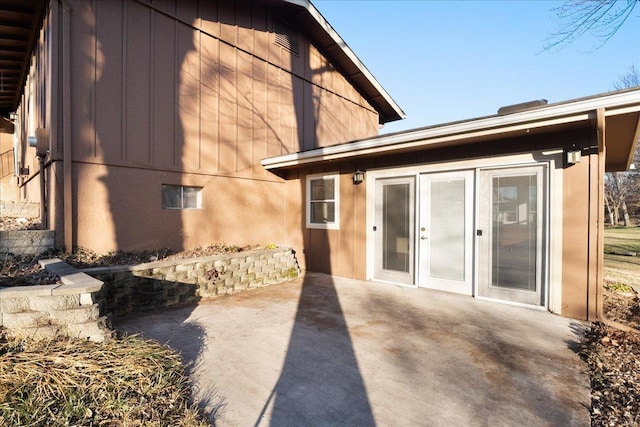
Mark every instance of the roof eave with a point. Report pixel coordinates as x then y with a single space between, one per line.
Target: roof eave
372 90
568 114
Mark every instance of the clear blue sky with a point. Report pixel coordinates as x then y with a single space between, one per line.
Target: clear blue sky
444 61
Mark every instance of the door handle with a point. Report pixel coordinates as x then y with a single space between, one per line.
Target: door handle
423 237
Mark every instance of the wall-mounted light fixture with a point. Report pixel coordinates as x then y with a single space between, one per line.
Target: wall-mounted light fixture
573 155
358 177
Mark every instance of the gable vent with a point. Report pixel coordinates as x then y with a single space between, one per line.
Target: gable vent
286 37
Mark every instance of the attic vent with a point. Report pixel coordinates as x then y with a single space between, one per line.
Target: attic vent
516 108
286 37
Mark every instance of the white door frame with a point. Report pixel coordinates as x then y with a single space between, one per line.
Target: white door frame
552 278
427 233
484 243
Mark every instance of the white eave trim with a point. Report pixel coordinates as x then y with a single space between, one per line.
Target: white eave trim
557 114
315 14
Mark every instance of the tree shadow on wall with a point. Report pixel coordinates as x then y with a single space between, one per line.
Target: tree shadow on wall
320 382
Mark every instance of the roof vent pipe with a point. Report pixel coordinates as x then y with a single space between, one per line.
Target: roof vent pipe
524 106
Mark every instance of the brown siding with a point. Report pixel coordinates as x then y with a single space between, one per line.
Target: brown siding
195 93
342 252
136 221
575 239
8 180
160 86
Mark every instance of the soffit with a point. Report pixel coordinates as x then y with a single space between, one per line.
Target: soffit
20 22
621 136
622 112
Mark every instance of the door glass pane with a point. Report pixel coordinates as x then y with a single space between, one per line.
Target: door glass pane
447 260
396 200
514 224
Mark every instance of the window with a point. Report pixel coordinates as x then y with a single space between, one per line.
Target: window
323 201
181 197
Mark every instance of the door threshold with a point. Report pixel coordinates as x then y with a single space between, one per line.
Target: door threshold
517 304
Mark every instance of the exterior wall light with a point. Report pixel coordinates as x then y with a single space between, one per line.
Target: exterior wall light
573 155
358 177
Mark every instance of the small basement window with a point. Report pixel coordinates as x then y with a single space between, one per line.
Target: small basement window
323 201
181 197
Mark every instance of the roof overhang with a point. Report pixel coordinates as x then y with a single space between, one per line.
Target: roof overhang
329 42
20 22
621 111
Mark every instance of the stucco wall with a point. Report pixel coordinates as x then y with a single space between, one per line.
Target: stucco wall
121 208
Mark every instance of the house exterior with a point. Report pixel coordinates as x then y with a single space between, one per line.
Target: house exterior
156 115
507 207
182 123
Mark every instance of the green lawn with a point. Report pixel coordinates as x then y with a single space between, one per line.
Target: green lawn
618 268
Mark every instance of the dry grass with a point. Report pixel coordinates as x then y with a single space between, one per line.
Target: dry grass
124 382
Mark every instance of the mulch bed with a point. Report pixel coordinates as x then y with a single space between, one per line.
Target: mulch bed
24 270
613 357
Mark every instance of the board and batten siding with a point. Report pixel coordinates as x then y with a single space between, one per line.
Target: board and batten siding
202 87
181 92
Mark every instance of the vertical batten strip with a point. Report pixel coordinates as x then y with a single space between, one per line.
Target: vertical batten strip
151 87
176 94
94 65
123 141
199 47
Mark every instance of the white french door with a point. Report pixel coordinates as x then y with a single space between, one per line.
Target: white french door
512 224
476 231
394 229
446 231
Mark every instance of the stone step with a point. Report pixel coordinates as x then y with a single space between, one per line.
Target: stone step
96 331
25 319
45 332
31 319
54 302
77 315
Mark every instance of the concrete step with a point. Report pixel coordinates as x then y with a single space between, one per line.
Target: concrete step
96 331
77 315
45 332
25 319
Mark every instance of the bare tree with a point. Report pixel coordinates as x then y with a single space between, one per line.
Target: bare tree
600 18
631 79
622 189
619 186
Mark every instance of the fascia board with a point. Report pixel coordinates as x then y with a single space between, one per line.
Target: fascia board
563 113
317 16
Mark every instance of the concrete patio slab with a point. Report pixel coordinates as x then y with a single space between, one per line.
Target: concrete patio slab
322 350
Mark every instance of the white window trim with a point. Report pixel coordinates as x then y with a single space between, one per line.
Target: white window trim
335 225
182 187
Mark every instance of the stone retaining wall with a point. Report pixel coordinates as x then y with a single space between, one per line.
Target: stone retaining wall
82 302
26 242
67 308
129 290
23 209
